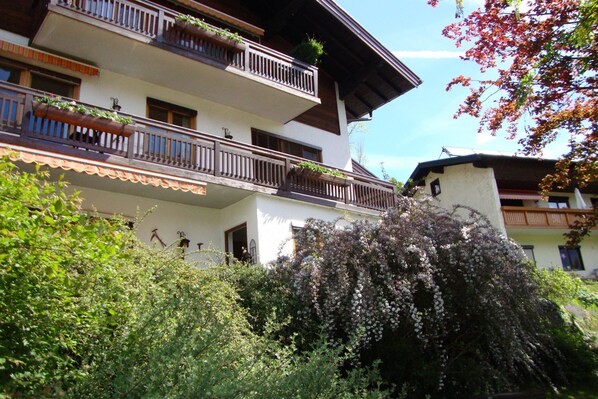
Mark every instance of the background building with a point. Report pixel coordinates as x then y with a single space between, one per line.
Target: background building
504 188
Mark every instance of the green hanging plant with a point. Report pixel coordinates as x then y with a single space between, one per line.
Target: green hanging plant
309 51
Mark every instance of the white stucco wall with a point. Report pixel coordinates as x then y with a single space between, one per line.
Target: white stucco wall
277 216
199 224
470 186
546 249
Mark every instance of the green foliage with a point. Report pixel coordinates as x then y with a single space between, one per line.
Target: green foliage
58 284
450 306
309 51
89 312
200 23
558 285
58 102
308 165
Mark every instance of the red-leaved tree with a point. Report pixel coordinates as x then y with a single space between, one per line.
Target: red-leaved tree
544 59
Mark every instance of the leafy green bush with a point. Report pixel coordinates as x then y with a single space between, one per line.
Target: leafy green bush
450 306
89 312
59 284
309 51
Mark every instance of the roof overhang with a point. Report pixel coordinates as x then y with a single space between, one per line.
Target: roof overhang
510 172
368 74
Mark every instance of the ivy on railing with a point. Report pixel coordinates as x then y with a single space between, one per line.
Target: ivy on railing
320 169
73 106
201 24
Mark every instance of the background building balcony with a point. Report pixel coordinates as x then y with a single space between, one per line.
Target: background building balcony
528 217
140 39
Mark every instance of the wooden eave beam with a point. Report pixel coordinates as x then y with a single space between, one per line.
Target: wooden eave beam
349 85
377 92
328 37
362 100
282 17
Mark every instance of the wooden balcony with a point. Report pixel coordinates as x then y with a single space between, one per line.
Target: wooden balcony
162 147
284 87
516 216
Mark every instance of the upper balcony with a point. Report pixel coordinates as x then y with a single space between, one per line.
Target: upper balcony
163 148
529 217
141 39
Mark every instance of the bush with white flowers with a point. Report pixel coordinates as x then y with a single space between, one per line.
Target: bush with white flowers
449 304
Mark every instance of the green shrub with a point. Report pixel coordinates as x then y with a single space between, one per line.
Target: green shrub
309 51
89 312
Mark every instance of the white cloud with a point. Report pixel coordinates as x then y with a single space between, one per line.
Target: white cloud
484 137
431 54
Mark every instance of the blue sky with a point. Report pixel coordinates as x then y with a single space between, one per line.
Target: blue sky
415 127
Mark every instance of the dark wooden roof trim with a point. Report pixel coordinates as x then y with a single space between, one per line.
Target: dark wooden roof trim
362 100
349 85
281 18
369 40
377 92
331 37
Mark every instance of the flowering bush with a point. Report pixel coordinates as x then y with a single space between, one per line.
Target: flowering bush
449 305
73 106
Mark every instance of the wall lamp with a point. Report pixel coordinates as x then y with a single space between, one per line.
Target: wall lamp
115 105
183 240
227 134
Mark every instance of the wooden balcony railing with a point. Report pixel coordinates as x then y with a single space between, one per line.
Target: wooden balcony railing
188 150
517 216
158 24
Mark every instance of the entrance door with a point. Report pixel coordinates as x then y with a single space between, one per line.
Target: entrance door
235 241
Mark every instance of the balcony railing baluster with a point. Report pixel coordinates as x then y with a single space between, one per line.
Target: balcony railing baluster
186 149
158 23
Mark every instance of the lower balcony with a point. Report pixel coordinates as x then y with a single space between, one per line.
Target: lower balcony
527 217
164 148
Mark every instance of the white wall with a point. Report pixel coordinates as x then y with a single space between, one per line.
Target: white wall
200 224
470 186
546 249
276 217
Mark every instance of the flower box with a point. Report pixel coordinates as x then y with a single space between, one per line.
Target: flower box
325 177
77 119
210 36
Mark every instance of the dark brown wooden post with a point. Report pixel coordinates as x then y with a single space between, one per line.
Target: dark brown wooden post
27 115
346 192
131 144
216 158
287 171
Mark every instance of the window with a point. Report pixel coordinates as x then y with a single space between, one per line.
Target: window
170 113
10 74
528 250
571 258
435 187
273 142
174 115
558 202
39 78
511 202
